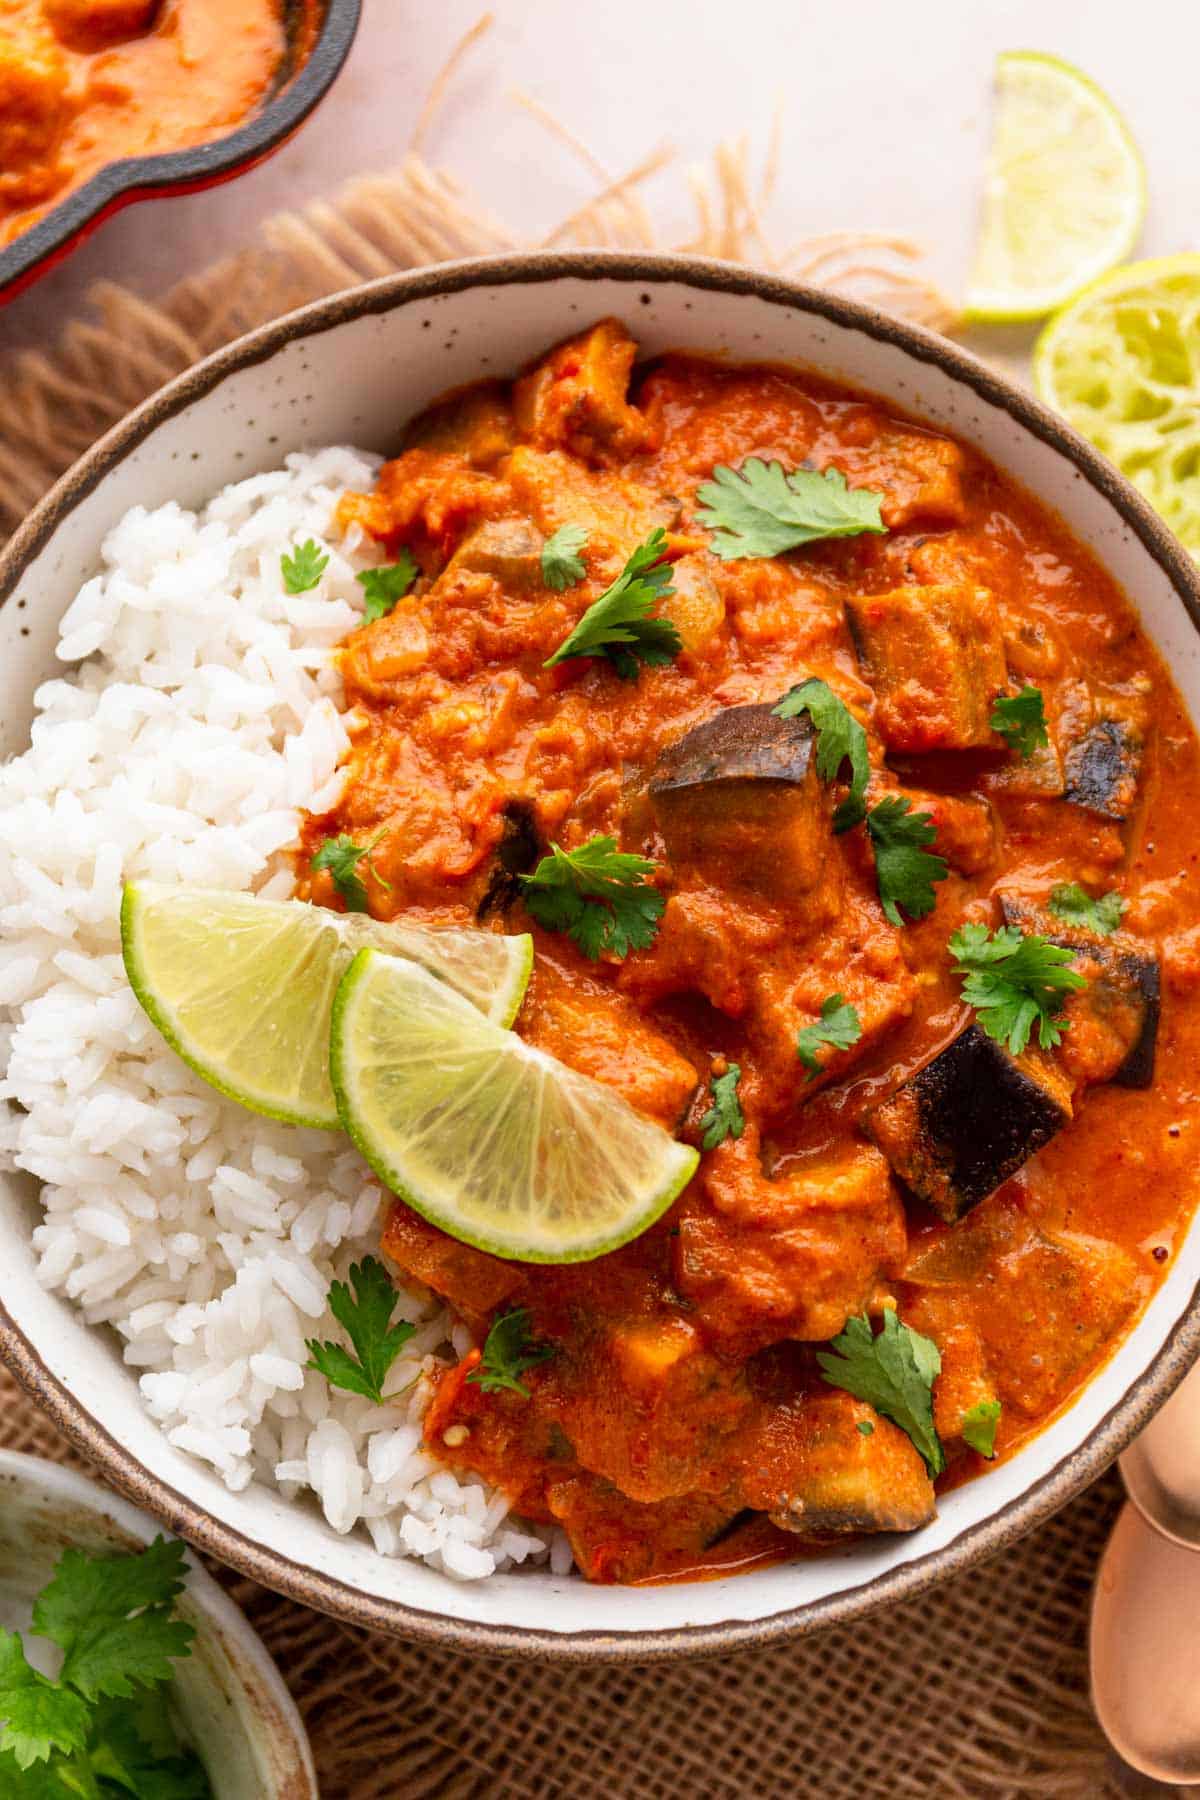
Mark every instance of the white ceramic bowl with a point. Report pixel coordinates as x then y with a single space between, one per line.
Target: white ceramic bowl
355 368
230 1699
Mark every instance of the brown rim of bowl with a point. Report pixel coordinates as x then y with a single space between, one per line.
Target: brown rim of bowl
326 1593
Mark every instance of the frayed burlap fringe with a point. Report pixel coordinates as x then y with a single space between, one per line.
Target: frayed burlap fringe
976 1692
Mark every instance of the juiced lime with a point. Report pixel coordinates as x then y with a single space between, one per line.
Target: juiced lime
1064 193
483 1134
1122 363
243 988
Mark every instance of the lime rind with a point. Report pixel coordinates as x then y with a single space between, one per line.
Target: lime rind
1059 210
486 1136
242 989
1122 364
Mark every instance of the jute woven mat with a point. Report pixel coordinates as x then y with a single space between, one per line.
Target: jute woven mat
978 1689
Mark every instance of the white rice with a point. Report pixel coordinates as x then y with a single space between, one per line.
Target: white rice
204 716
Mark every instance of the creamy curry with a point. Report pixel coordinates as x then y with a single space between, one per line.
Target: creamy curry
84 83
1015 1209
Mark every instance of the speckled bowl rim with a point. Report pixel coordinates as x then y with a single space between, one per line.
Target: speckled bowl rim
327 1593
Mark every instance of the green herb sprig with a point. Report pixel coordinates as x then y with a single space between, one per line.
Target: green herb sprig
762 510
839 1028
509 1350
894 1371
618 625
840 739
598 895
906 869
364 1307
1020 719
384 586
979 1426
101 1728
303 570
1075 906
341 857
1015 981
562 565
724 1118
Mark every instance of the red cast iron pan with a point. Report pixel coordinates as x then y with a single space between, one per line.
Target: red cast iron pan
302 82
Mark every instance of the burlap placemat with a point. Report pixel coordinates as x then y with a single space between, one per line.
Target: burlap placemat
979 1689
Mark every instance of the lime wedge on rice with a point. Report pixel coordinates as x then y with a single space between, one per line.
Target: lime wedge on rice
486 1136
1064 192
1122 364
243 988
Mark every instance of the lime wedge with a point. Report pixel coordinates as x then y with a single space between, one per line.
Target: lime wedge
1064 193
494 1141
243 988
1122 363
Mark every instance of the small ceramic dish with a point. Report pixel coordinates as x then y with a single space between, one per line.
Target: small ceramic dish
354 369
228 1694
302 83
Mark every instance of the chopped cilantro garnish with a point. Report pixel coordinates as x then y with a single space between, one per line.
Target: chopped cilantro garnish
341 856
1014 981
562 565
761 510
1020 719
598 895
366 1314
865 1427
508 1351
1075 906
905 868
618 625
100 1727
724 1117
979 1426
894 1372
384 586
839 1027
303 570
840 739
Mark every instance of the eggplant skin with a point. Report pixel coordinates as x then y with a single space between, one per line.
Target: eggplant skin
740 743
516 855
1103 769
967 1121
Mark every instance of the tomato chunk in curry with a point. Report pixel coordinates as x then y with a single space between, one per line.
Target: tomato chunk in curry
1017 1210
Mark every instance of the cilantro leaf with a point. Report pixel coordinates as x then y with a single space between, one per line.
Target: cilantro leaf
598 895
618 625
134 1747
341 856
509 1349
39 1716
1075 906
905 868
979 1426
561 563
383 587
761 510
894 1372
724 1117
366 1315
840 1027
1014 981
1020 719
112 1618
303 570
840 738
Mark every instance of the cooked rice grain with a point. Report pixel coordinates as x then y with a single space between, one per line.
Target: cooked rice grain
204 716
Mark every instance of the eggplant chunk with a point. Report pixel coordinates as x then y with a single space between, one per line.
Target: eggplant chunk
935 657
576 398
1114 1020
739 798
516 855
1105 737
476 424
968 1120
822 1477
509 550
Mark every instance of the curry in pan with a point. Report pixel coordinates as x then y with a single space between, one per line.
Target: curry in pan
856 834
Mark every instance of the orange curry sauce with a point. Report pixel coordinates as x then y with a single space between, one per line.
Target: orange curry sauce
682 1423
86 82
